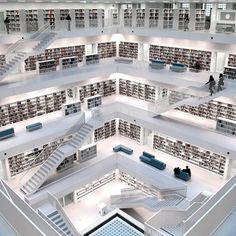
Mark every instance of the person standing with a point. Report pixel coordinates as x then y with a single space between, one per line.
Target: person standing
220 82
212 84
68 18
7 23
186 22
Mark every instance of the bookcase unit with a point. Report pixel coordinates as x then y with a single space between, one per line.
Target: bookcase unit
93 18
79 18
88 188
199 19
212 110
17 20
67 162
140 17
232 60
71 108
115 16
29 108
64 13
168 18
186 56
56 54
49 17
2 60
93 101
91 59
127 49
226 126
153 17
46 66
230 72
130 130
106 50
34 157
190 153
137 90
68 62
182 14
176 96
106 131
104 88
128 17
87 152
31 20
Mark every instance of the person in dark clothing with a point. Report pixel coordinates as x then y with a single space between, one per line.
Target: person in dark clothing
176 170
68 18
212 84
220 82
7 23
187 170
186 22
198 65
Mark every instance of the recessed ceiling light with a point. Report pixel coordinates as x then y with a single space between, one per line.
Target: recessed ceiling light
38 0
54 1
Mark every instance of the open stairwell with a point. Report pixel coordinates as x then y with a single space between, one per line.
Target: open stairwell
55 159
18 54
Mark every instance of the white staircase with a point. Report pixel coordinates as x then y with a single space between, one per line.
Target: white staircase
18 53
55 159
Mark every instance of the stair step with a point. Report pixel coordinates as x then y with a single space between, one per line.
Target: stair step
59 221
55 217
52 214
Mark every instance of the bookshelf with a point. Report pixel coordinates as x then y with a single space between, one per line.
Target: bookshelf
107 50
226 126
127 49
2 60
106 131
232 60
153 17
79 18
230 72
137 90
32 107
91 59
49 17
190 153
88 188
128 17
183 55
63 14
114 15
15 21
168 17
212 110
56 54
46 66
67 163
175 96
93 18
104 88
87 152
71 108
93 101
31 20
140 17
31 158
182 14
130 130
68 62
199 19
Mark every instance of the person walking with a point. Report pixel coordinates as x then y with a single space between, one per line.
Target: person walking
220 82
212 84
7 23
68 18
186 22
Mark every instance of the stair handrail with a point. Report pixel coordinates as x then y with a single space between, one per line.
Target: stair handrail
14 46
61 210
68 132
39 31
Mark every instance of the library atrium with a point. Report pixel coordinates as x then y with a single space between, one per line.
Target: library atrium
117 118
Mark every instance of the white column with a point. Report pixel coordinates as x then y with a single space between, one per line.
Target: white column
176 19
22 16
40 18
86 18
72 23
59 25
227 168
99 18
192 12
213 18
147 13
134 17
161 16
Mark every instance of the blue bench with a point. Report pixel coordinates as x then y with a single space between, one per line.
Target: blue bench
153 162
122 148
183 175
7 133
34 126
178 67
157 64
146 154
